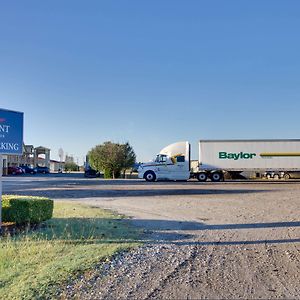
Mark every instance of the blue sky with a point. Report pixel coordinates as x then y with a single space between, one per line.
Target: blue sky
150 72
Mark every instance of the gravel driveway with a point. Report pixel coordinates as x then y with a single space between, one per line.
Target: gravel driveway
213 240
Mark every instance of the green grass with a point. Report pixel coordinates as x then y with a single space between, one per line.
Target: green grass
35 263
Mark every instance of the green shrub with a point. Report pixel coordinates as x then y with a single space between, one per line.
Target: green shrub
26 209
71 166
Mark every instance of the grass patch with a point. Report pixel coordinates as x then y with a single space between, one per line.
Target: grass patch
35 263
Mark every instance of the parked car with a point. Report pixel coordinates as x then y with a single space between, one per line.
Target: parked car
43 170
15 171
89 172
28 170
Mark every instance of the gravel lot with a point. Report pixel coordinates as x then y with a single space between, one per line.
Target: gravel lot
203 240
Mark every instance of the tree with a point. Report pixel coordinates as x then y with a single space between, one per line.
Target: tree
71 166
129 157
111 158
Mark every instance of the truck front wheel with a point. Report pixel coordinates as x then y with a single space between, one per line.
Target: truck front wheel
216 176
150 176
202 176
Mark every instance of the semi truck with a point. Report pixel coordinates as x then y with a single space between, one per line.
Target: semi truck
274 158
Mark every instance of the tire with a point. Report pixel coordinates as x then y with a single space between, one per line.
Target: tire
150 176
202 176
286 176
276 176
268 176
216 176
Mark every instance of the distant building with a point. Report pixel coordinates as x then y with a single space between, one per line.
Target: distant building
32 156
57 166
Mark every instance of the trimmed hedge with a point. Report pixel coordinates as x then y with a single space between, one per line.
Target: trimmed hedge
26 209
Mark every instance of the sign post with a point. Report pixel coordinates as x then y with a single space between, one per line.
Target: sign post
11 140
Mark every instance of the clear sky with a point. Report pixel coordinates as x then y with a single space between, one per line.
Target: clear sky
150 72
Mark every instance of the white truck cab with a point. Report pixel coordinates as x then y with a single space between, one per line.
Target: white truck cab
172 163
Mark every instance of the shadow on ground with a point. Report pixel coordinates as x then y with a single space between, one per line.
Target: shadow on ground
105 231
158 232
77 193
186 225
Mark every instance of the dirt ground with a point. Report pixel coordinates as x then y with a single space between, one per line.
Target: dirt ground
231 240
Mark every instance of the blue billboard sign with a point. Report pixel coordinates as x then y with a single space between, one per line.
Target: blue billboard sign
11 132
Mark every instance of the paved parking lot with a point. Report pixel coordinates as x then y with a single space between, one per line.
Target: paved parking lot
212 240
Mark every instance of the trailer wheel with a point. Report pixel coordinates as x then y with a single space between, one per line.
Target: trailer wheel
202 176
286 176
216 176
150 176
268 176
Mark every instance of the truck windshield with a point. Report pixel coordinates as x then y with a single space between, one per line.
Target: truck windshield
161 158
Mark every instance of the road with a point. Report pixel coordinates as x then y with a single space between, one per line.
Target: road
204 240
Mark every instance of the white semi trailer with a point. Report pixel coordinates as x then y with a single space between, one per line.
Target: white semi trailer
274 158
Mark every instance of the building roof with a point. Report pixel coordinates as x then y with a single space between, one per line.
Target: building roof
42 148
